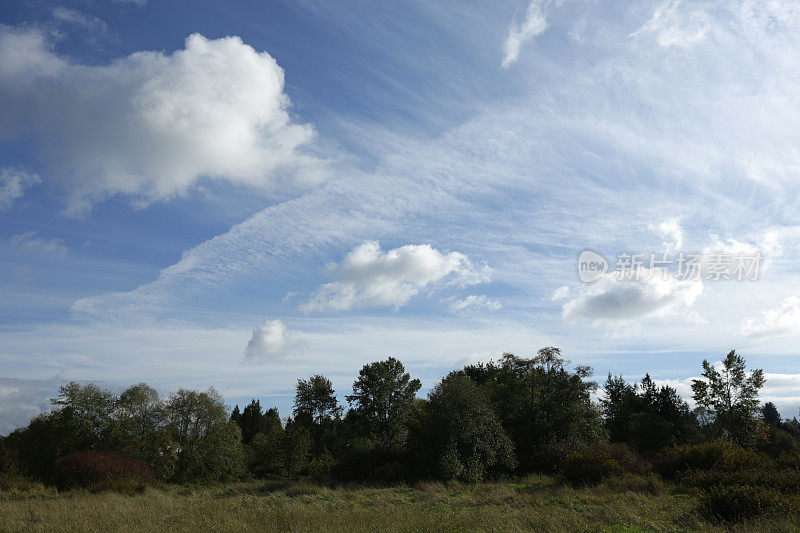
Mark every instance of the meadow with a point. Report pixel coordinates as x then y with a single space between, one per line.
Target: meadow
625 503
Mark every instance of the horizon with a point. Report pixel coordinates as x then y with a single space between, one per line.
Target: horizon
240 196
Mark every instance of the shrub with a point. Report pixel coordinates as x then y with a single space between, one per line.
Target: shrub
782 480
370 464
99 470
320 468
717 455
590 465
738 502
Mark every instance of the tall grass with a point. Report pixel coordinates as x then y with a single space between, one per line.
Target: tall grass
630 503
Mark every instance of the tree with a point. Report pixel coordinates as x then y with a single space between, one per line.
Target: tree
49 437
382 395
462 434
209 442
315 400
619 403
141 412
645 416
295 448
265 452
236 416
730 395
89 404
770 414
540 402
253 421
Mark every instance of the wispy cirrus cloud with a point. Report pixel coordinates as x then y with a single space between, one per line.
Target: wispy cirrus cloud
474 302
521 32
13 185
31 242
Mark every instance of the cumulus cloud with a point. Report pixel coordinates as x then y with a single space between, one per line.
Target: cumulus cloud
623 298
475 302
272 340
150 125
783 320
671 234
371 277
13 184
30 242
533 25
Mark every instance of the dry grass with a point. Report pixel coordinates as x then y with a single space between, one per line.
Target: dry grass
534 503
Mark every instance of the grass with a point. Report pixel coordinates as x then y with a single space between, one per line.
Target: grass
631 503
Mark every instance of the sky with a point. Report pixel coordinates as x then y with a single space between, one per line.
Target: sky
241 194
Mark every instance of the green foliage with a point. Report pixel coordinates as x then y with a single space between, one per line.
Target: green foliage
315 400
383 395
719 455
738 502
463 434
264 454
730 396
295 448
252 421
645 416
209 444
48 437
590 465
540 402
770 414
91 406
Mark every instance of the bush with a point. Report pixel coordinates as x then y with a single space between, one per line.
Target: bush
99 470
717 455
370 464
782 480
738 502
590 465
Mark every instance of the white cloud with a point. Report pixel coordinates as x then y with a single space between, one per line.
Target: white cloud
272 340
475 302
31 243
371 277
619 299
561 293
65 15
23 399
150 125
673 25
13 184
671 234
784 320
533 25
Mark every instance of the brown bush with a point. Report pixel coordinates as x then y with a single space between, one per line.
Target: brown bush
100 470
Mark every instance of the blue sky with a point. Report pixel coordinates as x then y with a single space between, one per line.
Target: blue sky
241 194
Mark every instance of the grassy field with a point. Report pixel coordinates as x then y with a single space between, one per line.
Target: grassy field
534 503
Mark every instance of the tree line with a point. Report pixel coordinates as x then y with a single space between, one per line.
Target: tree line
507 417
